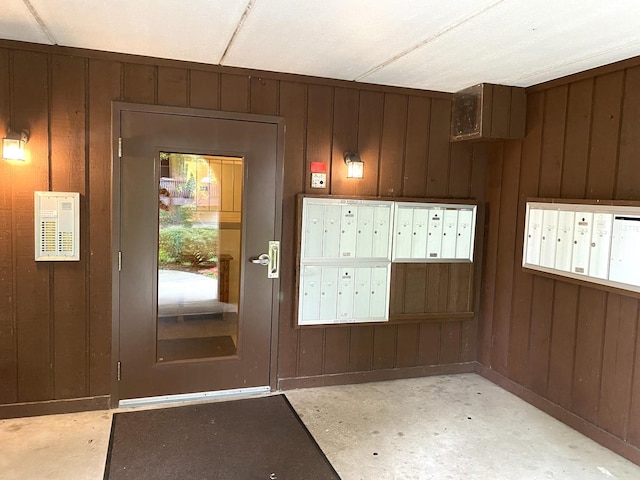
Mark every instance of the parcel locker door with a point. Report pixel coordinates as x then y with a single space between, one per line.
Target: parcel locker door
434 237
549 238
463 235
625 254
362 292
581 242
345 293
313 230
310 298
331 240
329 293
564 242
449 228
381 231
403 233
364 233
534 236
378 307
348 228
419 233
600 245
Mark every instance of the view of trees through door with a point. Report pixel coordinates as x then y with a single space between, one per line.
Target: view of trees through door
200 217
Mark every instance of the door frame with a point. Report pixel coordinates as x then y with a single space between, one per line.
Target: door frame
116 109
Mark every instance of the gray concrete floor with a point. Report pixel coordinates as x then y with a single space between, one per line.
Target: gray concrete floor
446 427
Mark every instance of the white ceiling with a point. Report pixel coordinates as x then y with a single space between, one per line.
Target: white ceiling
443 45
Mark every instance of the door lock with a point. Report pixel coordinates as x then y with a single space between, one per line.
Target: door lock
270 260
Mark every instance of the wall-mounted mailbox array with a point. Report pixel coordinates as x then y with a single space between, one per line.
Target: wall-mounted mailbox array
426 232
57 226
597 243
347 247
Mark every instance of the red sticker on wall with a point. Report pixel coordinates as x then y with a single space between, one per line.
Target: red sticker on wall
318 167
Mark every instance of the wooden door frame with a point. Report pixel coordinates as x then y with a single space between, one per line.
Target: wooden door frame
116 109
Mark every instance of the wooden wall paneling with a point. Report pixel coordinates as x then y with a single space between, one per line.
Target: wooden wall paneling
264 96
468 341
68 174
450 342
501 111
385 339
104 86
394 133
628 179
234 93
8 348
398 276
617 364
460 170
417 147
310 352
30 106
429 343
632 434
551 160
592 307
495 158
562 348
437 287
346 107
459 293
415 290
361 348
319 132
293 103
539 338
605 133
204 89
369 140
173 86
438 165
576 143
506 255
336 350
140 83
522 281
408 338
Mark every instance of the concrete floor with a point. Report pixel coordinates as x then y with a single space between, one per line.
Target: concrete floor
447 427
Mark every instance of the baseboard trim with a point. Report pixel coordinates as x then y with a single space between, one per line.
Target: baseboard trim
53 407
592 431
351 378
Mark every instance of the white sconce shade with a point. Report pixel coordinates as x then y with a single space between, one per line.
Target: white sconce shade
355 165
13 146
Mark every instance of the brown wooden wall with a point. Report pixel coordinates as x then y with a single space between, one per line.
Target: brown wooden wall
576 346
55 318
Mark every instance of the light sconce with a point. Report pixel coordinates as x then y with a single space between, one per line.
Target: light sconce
13 145
355 165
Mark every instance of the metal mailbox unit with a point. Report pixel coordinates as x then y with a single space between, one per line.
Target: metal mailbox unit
594 243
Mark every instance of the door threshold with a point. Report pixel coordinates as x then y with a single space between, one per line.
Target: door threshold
192 397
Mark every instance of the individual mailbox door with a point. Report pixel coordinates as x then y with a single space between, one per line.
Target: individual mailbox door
419 233
564 241
403 233
378 306
625 254
345 293
329 293
331 238
449 230
348 228
313 230
381 231
549 238
464 234
581 243
310 295
434 237
361 292
600 245
364 233
534 236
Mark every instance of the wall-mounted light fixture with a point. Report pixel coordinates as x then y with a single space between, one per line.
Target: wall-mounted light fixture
355 165
13 145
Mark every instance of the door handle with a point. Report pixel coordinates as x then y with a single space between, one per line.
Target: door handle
271 260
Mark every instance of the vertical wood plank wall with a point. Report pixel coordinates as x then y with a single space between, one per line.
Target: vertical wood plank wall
55 318
575 346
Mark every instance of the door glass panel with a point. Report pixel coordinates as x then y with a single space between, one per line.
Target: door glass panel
200 218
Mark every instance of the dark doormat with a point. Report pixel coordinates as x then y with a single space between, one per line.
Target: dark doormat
249 439
200 347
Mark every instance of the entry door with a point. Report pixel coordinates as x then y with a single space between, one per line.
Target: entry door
199 205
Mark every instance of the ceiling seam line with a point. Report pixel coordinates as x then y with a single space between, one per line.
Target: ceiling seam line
243 18
39 21
423 43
